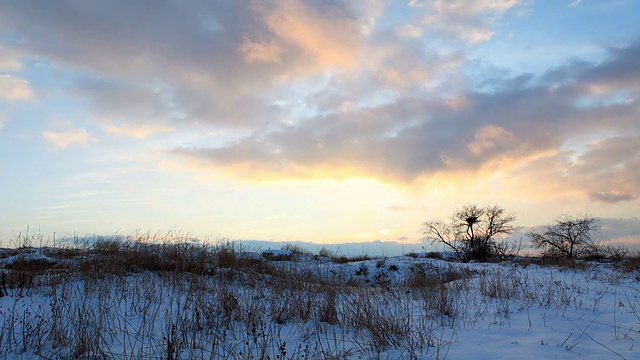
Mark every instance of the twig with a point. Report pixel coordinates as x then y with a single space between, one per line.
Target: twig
565 340
596 341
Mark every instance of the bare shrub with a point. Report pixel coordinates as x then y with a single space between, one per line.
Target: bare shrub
507 249
562 262
472 231
434 255
355 258
569 237
226 255
324 252
615 253
107 245
632 264
297 250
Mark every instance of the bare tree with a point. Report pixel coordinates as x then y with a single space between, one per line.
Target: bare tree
569 236
472 231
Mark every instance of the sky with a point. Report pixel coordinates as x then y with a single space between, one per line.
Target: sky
323 121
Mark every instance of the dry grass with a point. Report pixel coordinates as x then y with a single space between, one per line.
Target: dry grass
631 264
560 262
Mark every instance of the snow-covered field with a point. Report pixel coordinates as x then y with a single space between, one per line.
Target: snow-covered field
190 302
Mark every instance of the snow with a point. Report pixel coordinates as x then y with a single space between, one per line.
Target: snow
27 257
496 311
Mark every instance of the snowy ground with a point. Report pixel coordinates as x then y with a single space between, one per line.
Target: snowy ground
59 307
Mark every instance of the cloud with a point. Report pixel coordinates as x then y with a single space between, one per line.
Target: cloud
255 52
490 137
575 3
12 88
408 31
612 228
137 132
611 168
393 141
205 58
605 171
611 197
64 139
224 64
471 21
115 101
124 50
327 34
324 89
521 126
9 59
